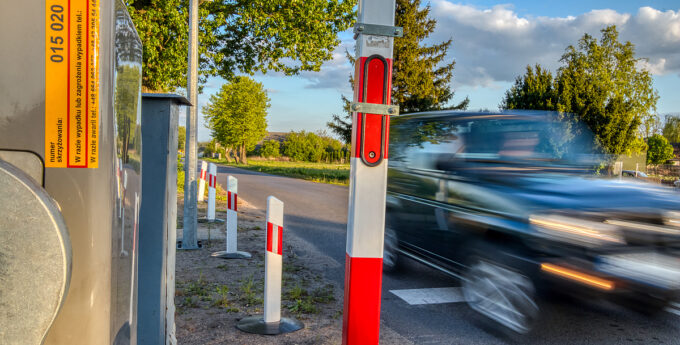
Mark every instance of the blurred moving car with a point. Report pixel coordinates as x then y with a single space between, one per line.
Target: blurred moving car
511 203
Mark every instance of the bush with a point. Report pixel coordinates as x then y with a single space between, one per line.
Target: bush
659 150
270 148
311 147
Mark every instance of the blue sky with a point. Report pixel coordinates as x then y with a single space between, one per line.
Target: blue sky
492 43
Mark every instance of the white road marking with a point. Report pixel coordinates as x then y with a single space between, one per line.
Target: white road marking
675 305
430 295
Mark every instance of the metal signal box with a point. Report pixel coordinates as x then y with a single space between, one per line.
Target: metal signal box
70 152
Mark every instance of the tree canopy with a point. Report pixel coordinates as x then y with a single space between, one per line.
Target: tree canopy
421 78
236 115
533 90
671 130
660 150
599 81
237 36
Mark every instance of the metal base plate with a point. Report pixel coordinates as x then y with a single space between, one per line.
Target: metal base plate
179 246
233 255
206 220
256 324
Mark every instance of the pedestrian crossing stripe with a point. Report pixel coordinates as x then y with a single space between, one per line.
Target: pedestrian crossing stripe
430 295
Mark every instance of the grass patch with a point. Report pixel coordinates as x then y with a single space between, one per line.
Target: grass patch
222 299
249 293
331 173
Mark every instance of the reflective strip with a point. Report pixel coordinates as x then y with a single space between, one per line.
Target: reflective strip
232 201
212 181
274 238
376 92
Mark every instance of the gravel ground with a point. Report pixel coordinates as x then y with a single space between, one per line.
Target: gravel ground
213 294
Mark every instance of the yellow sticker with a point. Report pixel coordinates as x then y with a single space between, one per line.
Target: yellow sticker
72 83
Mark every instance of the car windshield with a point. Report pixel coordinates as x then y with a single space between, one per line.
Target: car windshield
531 140
537 140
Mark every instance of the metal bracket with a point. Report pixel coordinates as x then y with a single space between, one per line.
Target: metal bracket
373 108
378 30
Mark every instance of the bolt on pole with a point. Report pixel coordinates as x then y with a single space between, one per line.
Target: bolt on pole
189 239
375 34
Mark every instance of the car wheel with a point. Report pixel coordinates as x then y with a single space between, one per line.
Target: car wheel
501 294
390 251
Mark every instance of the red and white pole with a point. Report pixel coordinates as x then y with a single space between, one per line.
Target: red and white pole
232 223
272 322
375 33
232 213
201 180
212 185
273 261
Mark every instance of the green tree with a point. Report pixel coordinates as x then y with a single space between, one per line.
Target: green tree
312 147
421 79
671 130
296 146
651 125
534 90
236 115
243 36
181 137
602 83
270 148
660 150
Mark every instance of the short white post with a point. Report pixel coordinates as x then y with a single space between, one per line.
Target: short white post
272 322
120 191
273 263
201 180
231 236
212 185
232 213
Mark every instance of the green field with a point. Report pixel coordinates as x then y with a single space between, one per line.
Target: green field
318 172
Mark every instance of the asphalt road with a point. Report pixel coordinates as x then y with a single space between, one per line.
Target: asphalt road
317 213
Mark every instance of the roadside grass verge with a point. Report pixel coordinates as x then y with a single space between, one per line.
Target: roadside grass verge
331 173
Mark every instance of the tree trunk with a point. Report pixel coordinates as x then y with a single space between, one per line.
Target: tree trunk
227 154
244 159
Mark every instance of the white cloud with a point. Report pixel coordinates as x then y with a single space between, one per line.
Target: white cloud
492 45
334 74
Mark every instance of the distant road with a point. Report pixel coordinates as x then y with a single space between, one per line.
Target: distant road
317 213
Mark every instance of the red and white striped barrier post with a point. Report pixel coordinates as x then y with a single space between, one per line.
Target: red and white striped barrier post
212 185
272 322
371 108
231 236
119 172
201 180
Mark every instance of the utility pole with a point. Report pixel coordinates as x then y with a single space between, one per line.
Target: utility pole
374 33
189 238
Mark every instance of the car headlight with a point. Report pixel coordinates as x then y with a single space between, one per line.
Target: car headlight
576 231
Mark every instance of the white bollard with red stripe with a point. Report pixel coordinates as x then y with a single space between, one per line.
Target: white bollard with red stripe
201 180
271 322
212 185
231 236
273 260
371 108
